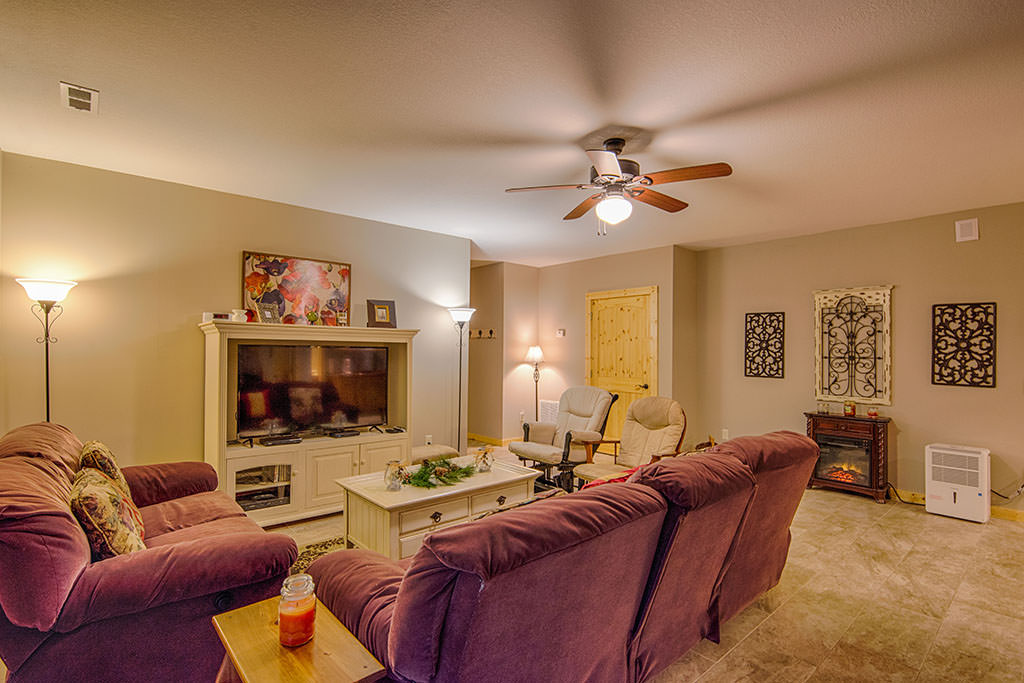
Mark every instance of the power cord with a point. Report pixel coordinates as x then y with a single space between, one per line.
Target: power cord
897 494
1015 493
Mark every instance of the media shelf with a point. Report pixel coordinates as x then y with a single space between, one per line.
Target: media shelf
286 482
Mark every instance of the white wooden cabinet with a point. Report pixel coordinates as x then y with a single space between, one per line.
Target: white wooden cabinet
277 484
283 483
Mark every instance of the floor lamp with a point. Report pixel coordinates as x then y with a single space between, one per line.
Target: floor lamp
47 295
536 356
460 316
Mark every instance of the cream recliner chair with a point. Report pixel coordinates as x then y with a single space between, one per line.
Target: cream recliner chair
654 428
582 414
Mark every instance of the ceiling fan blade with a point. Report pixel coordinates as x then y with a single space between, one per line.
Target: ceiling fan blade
674 175
657 200
584 206
605 163
550 187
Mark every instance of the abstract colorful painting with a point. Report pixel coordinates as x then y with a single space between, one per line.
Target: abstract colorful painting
306 291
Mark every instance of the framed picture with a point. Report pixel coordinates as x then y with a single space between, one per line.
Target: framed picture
305 291
380 313
268 313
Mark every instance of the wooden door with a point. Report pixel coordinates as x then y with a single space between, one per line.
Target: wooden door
622 348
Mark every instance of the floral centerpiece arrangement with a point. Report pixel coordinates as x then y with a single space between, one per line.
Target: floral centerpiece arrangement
434 472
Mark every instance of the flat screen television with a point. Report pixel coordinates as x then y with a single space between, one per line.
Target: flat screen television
305 389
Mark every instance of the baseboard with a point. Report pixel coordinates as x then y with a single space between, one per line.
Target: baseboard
997 510
490 440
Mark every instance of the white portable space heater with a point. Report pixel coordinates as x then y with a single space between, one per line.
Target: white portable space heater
957 481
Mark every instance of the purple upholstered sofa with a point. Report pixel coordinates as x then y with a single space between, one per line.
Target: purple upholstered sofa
610 584
144 616
599 585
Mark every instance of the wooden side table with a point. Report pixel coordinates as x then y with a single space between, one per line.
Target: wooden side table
250 637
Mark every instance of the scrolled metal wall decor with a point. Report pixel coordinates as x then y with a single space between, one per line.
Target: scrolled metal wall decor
764 345
852 344
964 344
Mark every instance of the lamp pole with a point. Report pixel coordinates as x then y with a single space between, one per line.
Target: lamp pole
536 356
46 295
460 316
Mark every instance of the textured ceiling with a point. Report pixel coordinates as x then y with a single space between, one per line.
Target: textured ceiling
833 114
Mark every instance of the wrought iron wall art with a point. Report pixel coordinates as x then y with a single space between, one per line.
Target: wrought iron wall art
764 345
852 345
964 344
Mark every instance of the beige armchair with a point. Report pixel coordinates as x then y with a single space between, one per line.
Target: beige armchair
582 414
654 428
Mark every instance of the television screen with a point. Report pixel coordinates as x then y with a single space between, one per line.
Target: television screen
304 389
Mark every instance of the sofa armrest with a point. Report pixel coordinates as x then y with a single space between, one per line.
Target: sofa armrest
152 484
359 587
540 432
139 581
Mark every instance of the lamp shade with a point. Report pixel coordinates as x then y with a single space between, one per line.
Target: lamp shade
534 355
46 290
461 315
614 209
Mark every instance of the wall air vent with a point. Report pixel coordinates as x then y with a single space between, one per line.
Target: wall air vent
967 230
79 98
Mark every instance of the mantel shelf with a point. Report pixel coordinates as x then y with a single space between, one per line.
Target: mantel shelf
235 330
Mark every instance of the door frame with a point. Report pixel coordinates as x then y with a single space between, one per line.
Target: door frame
652 292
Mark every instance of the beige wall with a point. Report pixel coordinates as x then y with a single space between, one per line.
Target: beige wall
685 342
520 333
486 361
926 266
151 256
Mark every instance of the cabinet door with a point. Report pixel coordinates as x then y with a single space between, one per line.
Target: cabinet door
374 457
324 464
267 485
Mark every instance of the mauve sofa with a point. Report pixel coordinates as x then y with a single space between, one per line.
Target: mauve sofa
144 616
600 585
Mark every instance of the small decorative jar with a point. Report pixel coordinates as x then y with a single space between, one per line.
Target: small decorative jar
393 476
483 459
873 411
296 614
849 408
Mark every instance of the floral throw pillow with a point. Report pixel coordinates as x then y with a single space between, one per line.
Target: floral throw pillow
109 518
98 456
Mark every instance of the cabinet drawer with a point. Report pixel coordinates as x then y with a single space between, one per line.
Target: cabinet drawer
482 502
831 426
440 513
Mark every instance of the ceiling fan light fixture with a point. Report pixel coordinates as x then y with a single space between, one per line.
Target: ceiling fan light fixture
614 209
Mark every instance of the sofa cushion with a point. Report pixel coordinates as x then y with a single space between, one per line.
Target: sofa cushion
770 451
98 456
42 547
695 480
189 512
541 452
107 514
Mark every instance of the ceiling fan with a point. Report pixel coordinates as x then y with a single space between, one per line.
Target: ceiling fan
619 180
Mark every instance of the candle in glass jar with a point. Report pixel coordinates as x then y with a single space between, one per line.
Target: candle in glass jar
297 611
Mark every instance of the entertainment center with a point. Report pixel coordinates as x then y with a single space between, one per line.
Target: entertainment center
290 408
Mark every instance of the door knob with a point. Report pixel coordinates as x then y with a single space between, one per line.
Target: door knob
643 386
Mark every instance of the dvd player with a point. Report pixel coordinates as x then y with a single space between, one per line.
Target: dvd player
280 440
343 433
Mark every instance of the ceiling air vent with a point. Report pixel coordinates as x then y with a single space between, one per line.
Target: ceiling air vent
79 98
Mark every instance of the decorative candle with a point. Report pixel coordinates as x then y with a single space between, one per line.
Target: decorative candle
296 614
849 408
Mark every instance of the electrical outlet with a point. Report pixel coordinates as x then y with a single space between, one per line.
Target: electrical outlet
522 417
560 332
428 439
725 434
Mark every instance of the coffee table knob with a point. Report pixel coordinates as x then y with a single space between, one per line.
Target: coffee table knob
501 500
436 517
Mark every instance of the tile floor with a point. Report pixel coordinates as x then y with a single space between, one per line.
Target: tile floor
870 593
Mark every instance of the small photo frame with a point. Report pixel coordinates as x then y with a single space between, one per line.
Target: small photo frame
268 312
380 313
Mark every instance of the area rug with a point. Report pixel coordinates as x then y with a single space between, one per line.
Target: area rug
310 552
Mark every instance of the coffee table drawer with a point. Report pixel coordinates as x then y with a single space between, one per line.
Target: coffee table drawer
441 513
482 502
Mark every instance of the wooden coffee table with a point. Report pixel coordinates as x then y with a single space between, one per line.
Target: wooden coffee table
394 523
249 635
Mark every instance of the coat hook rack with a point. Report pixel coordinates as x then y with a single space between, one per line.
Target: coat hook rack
482 334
